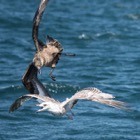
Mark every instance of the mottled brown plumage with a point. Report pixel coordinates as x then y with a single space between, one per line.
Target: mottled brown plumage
46 54
49 55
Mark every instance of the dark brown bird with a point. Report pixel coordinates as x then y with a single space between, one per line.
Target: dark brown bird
46 54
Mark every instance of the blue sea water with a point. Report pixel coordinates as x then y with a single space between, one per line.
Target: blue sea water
105 35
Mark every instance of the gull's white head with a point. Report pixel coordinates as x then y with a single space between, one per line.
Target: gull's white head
53 108
44 107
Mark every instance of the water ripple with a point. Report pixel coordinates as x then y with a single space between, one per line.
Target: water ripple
104 35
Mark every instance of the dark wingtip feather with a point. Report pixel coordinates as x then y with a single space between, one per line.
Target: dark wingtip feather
18 102
14 106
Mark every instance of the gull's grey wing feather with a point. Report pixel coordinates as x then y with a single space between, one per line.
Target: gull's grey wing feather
42 91
91 92
36 21
42 98
94 94
18 102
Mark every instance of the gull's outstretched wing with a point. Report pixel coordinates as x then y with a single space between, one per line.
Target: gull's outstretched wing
36 21
39 88
19 102
94 94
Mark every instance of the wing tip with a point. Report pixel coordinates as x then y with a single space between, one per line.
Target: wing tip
18 102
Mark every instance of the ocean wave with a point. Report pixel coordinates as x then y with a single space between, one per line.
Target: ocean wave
133 16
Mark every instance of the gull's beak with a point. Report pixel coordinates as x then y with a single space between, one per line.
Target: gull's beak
43 108
40 110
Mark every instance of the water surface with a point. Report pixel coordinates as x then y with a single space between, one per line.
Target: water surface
105 37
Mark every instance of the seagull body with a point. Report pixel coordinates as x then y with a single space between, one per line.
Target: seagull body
61 108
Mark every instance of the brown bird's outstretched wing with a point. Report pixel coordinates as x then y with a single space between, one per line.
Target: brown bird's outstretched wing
30 73
31 82
36 21
46 54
